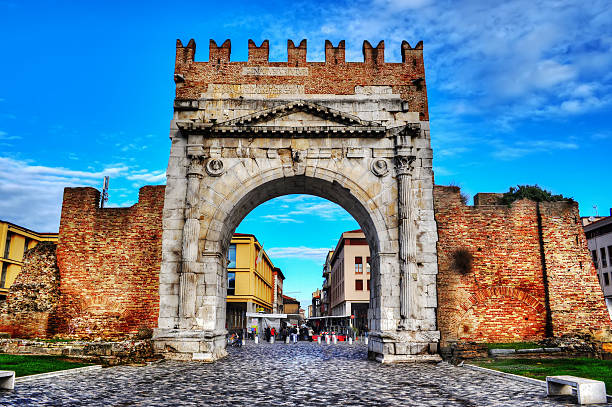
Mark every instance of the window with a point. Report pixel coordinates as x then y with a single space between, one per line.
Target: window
3 276
358 285
231 283
368 284
610 255
594 254
358 265
7 245
606 279
604 260
367 264
231 255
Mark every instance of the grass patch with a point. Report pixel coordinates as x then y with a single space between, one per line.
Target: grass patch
595 369
25 365
513 345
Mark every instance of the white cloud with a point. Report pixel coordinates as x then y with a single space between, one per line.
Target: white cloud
32 194
509 59
302 206
148 176
523 148
281 218
299 252
5 136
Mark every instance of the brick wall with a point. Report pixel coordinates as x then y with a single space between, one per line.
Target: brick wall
33 296
576 298
109 263
334 76
504 297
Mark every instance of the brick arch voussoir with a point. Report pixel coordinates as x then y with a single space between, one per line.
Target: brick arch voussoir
485 293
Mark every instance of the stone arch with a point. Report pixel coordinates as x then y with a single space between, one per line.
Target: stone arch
350 196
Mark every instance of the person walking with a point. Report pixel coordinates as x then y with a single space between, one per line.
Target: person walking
267 333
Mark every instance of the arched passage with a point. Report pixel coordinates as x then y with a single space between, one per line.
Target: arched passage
257 194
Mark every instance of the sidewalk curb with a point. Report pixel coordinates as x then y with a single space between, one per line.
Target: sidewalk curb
33 377
524 379
515 377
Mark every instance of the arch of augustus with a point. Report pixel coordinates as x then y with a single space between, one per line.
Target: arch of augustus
355 133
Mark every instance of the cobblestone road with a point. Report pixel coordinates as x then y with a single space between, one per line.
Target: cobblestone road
281 375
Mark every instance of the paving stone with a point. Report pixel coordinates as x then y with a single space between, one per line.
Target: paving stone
282 375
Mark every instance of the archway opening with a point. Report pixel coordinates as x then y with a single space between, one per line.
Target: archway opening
272 215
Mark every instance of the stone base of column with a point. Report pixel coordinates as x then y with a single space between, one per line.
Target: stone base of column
190 345
404 346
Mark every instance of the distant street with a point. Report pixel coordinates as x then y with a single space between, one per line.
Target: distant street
281 375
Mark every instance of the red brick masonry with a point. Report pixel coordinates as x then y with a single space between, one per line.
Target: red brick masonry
503 298
334 76
109 262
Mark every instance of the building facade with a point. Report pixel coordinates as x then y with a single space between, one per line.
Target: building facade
14 242
325 292
599 238
314 310
279 277
250 280
291 305
350 278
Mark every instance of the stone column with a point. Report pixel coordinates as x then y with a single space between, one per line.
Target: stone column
191 232
407 235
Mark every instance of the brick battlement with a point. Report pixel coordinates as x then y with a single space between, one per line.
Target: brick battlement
333 76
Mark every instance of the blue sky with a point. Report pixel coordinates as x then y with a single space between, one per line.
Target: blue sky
519 93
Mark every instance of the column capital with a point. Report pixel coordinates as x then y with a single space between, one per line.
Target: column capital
196 168
403 164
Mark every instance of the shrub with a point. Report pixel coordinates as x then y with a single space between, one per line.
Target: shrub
532 192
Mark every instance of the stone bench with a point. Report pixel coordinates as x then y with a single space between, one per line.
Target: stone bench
586 390
7 379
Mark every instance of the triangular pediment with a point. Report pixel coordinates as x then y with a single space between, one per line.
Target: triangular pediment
298 114
297 117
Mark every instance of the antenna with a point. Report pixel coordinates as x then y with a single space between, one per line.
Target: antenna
595 207
104 197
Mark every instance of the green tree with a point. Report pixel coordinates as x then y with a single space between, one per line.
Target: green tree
532 192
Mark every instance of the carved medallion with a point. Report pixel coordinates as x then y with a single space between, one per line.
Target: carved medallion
379 167
214 167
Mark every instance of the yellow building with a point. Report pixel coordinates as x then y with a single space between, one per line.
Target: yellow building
250 280
14 242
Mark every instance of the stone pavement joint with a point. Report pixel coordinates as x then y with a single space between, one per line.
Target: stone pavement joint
283 375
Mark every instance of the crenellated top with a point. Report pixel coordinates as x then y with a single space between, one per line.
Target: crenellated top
220 77
334 55
296 55
372 55
259 55
219 54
